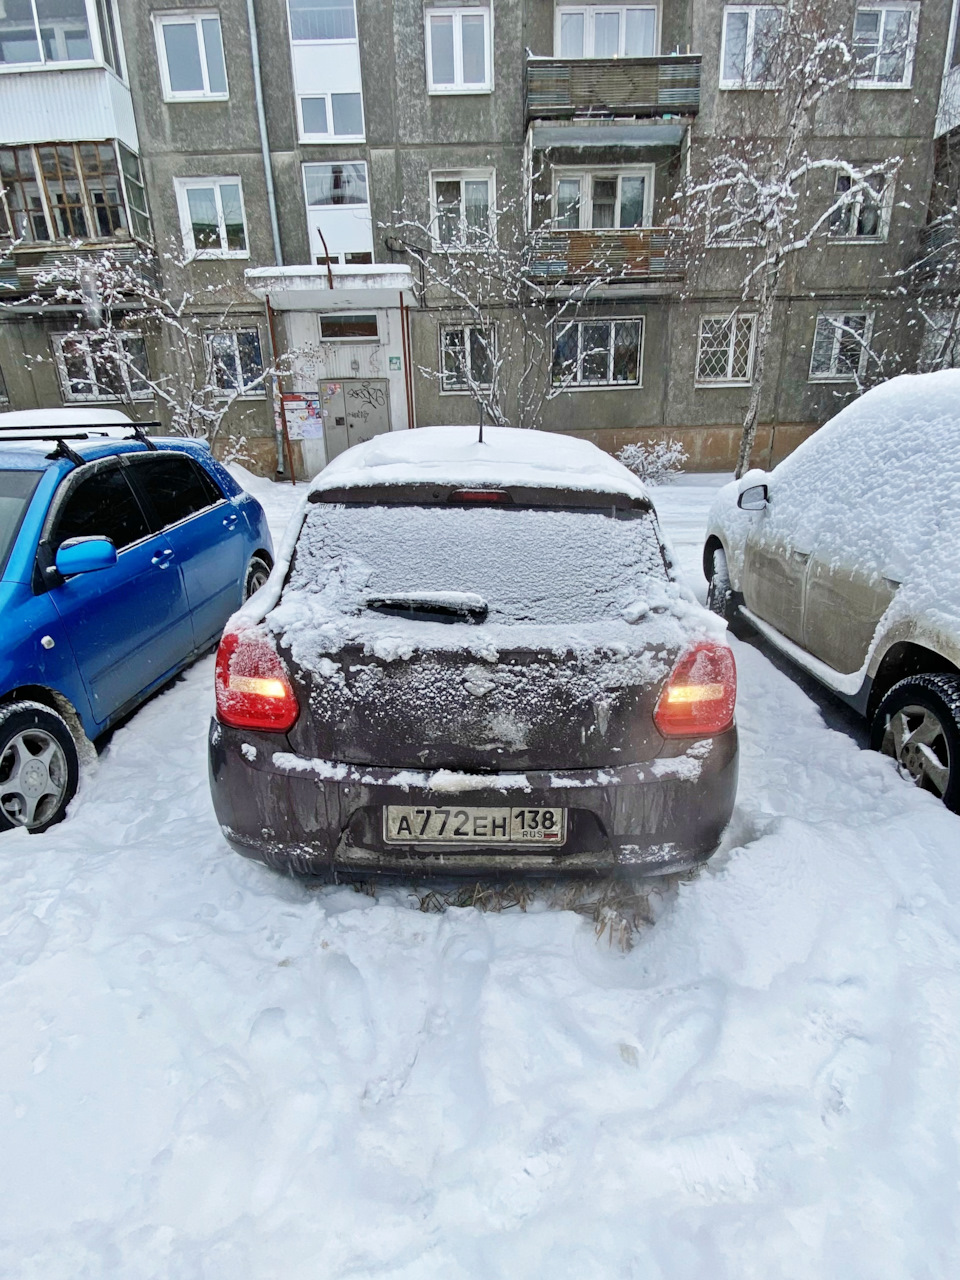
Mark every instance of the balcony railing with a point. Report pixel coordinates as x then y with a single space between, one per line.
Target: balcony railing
21 264
651 254
561 88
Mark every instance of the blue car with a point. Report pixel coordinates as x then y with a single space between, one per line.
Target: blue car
121 558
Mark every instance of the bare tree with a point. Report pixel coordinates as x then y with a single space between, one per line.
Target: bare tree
506 280
760 188
120 304
932 280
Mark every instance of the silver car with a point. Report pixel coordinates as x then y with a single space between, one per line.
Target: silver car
846 557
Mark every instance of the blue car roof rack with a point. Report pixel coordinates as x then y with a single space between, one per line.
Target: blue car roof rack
95 431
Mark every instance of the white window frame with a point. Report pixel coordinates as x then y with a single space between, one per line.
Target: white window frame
600 386
839 320
589 12
462 176
329 136
160 20
586 177
457 12
729 380
96 44
58 340
306 40
182 186
855 205
465 329
751 11
912 8
224 393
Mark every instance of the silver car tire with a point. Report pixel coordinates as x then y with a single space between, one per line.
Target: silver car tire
918 724
39 766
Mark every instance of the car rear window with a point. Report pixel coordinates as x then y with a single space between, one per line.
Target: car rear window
16 490
530 565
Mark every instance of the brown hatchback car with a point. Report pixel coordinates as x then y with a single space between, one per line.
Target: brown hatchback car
474 658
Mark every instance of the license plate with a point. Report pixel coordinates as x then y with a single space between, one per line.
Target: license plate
425 824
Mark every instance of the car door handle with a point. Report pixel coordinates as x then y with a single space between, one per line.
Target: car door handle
162 558
230 520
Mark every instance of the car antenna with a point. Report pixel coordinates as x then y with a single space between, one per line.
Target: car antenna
480 441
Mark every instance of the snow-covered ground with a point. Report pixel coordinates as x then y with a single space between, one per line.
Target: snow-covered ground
209 1073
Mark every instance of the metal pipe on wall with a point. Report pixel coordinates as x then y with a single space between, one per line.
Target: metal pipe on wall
264 141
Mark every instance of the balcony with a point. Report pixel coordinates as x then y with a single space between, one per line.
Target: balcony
607 88
650 254
68 104
21 264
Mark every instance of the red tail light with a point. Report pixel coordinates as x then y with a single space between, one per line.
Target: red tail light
480 495
253 689
700 696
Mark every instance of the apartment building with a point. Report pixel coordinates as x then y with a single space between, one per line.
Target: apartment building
298 167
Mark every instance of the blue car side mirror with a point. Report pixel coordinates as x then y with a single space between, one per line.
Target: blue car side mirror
84 555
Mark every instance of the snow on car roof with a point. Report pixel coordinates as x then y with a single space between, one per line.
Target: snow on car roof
60 419
454 455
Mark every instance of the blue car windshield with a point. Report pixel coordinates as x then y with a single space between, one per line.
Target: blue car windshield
16 490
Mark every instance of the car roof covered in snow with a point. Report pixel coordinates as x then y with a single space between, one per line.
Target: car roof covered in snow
455 455
61 419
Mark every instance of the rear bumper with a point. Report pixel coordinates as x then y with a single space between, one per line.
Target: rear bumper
318 818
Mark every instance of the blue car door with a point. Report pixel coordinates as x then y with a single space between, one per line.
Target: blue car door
129 625
205 530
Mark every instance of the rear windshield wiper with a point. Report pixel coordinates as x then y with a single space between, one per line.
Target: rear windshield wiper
432 606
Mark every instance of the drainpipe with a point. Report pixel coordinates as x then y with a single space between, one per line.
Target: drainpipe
264 143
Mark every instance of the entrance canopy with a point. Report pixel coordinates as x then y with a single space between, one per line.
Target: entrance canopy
354 288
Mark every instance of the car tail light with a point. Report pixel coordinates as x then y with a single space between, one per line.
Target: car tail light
701 694
253 689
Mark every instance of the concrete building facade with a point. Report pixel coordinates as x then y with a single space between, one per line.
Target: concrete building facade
292 164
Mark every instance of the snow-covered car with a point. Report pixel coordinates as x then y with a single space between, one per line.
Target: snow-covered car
847 558
477 658
121 557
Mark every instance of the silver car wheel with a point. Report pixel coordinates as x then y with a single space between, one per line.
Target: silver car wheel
915 738
33 778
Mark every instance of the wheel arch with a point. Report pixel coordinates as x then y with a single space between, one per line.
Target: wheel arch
56 701
905 658
712 544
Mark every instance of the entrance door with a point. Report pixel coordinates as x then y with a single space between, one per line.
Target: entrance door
354 410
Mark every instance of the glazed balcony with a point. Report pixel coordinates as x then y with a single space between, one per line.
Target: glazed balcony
568 88
648 254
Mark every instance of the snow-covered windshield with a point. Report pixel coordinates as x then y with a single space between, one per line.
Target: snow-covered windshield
16 490
529 565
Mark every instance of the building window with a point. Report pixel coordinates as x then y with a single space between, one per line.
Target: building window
350 328
458 51
610 200
883 43
725 349
840 347
608 32
326 116
597 353
212 217
236 361
40 31
70 190
751 34
940 345
322 20
190 47
92 367
338 213
467 356
866 214
462 207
